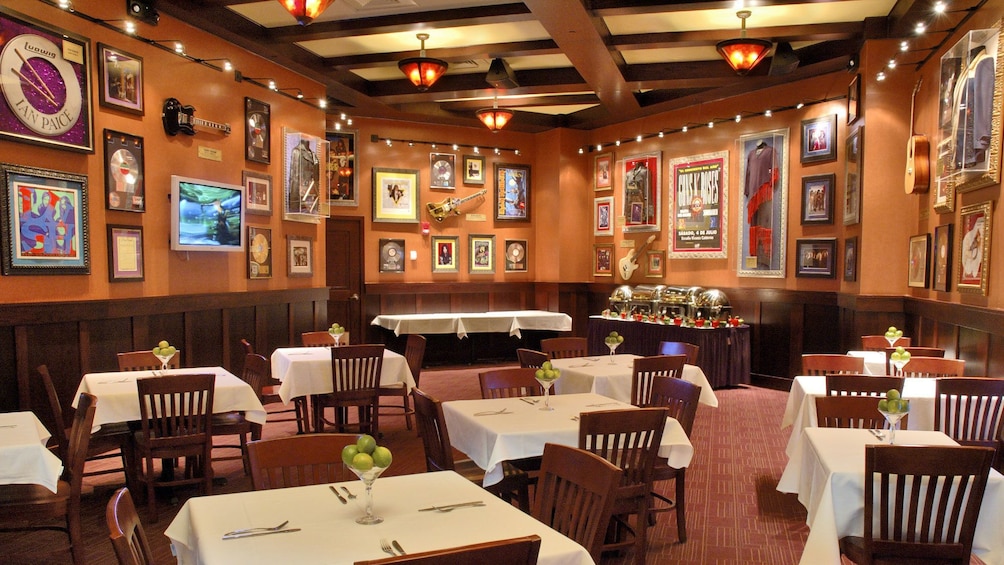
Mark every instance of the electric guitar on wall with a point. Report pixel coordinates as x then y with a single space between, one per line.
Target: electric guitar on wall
918 155
441 209
629 263
181 118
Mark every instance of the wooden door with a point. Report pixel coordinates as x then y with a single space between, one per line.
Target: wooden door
344 268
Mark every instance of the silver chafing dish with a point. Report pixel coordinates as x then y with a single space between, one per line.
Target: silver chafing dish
620 299
672 301
713 305
644 299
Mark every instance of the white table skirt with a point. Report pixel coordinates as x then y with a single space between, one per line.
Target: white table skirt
304 371
490 440
330 536
874 361
24 459
599 375
475 322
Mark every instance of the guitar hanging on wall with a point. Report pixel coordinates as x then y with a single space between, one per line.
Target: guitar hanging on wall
441 209
629 263
918 155
180 118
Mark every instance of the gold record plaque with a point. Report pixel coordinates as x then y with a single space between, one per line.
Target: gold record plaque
257 133
124 172
515 256
259 253
391 255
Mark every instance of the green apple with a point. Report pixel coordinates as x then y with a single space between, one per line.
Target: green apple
349 453
162 344
366 444
546 365
382 457
156 350
892 394
539 374
362 462
620 339
883 405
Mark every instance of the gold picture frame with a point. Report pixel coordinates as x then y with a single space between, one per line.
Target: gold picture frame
975 226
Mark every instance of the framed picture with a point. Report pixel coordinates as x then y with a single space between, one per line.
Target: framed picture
853 168
482 254
515 256
45 222
763 212
124 186
918 271
603 216
603 171
816 257
395 195
512 192
655 263
444 253
442 170
819 139
474 169
305 188
121 79
975 225
941 272
944 188
391 255
699 205
817 199
125 253
603 260
851 259
257 131
259 253
258 192
299 256
854 100
343 182
642 193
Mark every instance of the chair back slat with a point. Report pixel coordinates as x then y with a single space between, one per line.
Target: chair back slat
512 382
356 368
933 368
126 531
431 424
680 348
530 358
414 354
851 412
299 460
862 385
175 410
914 352
679 397
627 438
565 347
970 410
648 368
829 364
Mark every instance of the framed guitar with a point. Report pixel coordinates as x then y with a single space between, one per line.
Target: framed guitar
918 155
629 263
444 207
180 118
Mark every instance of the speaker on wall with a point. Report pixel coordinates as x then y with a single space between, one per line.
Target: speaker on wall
143 10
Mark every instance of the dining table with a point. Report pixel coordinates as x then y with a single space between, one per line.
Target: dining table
24 458
826 471
323 530
874 361
305 371
491 431
610 375
462 323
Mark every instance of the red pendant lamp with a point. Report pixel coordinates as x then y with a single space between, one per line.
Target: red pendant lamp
305 10
743 53
423 71
494 118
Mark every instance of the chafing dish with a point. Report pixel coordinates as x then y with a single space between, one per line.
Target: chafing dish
713 304
672 301
620 299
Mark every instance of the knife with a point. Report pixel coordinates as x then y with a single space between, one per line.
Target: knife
340 497
398 547
451 506
253 534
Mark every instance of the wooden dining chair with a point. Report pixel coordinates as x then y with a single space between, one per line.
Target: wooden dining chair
355 382
851 412
932 521
269 394
145 361
933 368
414 354
832 364
531 358
680 398
126 531
646 369
300 460
512 382
31 507
970 410
880 343
322 339
865 385
254 373
630 440
914 352
515 551
575 495
565 347
680 348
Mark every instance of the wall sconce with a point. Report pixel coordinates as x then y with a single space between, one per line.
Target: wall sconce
743 53
423 71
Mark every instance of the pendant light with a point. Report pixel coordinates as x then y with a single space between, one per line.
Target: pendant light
423 71
743 53
305 10
494 118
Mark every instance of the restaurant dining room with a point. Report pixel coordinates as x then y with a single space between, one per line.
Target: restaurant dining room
664 308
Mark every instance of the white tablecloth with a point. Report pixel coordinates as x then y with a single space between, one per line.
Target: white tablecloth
118 399
304 371
827 473
330 536
874 361
599 375
24 459
490 440
475 322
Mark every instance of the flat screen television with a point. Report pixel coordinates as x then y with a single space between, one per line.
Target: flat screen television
206 215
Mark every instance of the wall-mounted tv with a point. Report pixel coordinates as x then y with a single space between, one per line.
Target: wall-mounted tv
206 215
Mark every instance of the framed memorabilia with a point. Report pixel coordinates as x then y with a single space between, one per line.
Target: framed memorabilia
603 216
45 78
442 170
45 222
944 188
481 254
854 100
444 253
474 169
343 182
699 204
259 253
763 212
642 193
124 186
655 263
125 253
391 255
299 256
975 225
512 192
851 259
258 192
853 168
305 187
515 256
819 139
817 199
395 195
603 260
257 131
918 271
816 257
120 77
602 171
941 272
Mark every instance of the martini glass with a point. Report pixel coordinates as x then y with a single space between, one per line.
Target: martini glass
893 418
165 359
368 478
899 364
892 340
613 347
338 339
546 383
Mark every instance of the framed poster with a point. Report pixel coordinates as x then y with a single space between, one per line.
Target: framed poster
853 168
305 188
851 259
442 170
975 225
125 253
515 256
602 171
299 256
941 272
124 188
257 192
699 204
395 195
763 178
512 192
603 216
642 193
391 255
603 260
474 169
854 100
120 77
45 222
259 253
444 253
819 139
481 254
655 263
816 257
45 73
918 271
343 182
944 189
257 131
817 199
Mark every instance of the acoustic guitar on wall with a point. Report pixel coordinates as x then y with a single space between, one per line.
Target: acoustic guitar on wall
918 155
629 263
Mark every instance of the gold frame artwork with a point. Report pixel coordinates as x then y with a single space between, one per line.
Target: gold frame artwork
975 223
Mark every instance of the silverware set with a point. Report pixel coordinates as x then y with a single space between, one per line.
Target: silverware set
340 497
493 412
603 404
452 507
253 532
529 400
390 547
878 433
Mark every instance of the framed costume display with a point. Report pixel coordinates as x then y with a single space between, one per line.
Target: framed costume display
306 187
343 182
699 204
642 194
763 178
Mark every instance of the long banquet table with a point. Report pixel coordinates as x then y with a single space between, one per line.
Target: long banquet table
463 323
24 459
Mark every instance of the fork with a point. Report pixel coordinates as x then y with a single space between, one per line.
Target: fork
385 546
493 412
348 493
249 530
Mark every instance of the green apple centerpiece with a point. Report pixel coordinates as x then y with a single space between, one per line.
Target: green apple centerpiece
899 359
892 335
367 460
546 375
893 407
613 341
165 352
336 332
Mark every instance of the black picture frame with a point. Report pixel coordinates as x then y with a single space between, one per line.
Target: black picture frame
816 257
125 189
851 259
257 131
515 256
918 268
392 255
120 79
125 253
343 177
819 139
818 199
854 100
443 171
941 251
474 169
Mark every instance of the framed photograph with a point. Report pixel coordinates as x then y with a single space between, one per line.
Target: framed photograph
343 182
45 78
603 260
699 205
259 253
763 212
299 256
124 187
395 195
853 168
817 199
258 192
121 79
481 254
603 171
445 249
603 216
918 271
655 263
941 272
515 256
975 223
854 100
443 170
391 255
474 169
512 192
305 187
642 192
851 259
125 253
45 219
816 257
257 131
819 139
